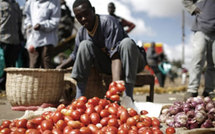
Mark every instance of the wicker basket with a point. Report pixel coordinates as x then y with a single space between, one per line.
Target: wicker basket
33 87
97 85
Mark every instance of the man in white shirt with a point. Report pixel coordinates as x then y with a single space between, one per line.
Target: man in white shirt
42 18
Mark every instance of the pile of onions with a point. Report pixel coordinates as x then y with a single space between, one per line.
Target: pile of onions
195 112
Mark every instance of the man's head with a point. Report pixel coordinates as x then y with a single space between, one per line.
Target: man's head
84 13
111 8
153 44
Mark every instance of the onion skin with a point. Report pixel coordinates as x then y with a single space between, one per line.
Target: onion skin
209 106
207 99
200 116
207 124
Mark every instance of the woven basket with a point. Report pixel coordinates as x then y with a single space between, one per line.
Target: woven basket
97 85
33 87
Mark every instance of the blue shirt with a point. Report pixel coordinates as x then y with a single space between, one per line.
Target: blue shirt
47 14
107 37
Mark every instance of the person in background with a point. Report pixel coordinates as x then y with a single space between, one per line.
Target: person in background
153 60
42 19
203 45
66 23
102 42
184 72
125 23
10 29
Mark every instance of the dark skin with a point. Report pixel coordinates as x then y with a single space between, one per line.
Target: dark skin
86 17
37 27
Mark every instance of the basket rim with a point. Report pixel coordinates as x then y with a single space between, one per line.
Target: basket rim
12 69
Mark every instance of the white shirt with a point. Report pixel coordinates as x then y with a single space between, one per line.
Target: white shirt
47 14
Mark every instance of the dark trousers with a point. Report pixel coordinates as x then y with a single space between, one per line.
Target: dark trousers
42 57
11 53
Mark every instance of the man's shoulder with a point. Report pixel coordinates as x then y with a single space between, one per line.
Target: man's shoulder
106 17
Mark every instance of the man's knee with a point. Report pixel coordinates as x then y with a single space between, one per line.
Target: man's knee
127 43
85 44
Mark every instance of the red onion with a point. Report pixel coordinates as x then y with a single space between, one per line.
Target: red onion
207 124
165 111
174 109
200 116
194 125
163 117
211 116
191 114
196 100
186 107
180 119
209 106
200 107
213 123
212 111
170 121
196 112
189 100
207 99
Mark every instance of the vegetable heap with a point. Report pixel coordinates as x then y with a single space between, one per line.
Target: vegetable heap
88 116
195 112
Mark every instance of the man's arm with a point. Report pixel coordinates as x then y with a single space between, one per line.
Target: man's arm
27 20
191 7
130 25
68 63
52 23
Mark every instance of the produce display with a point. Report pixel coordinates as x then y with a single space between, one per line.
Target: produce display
195 112
89 116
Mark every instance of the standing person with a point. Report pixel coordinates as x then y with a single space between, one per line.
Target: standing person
66 24
125 23
153 60
203 45
42 19
10 28
102 42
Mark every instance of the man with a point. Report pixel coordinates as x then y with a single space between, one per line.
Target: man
102 42
153 60
203 45
125 23
10 29
42 19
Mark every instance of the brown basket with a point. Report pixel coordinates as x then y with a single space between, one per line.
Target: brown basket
33 87
97 85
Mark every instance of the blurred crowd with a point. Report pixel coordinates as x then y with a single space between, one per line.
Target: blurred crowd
34 37
30 36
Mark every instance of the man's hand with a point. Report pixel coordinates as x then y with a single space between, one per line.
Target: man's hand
59 66
37 27
68 63
196 11
31 49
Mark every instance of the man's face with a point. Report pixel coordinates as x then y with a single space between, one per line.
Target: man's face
111 9
85 16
